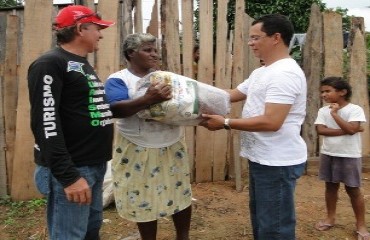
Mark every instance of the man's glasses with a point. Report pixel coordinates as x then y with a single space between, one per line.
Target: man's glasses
255 38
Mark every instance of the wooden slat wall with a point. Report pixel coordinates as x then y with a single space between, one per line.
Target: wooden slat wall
10 88
204 138
33 45
357 79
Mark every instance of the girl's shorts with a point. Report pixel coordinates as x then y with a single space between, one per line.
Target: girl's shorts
341 169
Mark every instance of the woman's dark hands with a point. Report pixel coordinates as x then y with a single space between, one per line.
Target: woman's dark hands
158 92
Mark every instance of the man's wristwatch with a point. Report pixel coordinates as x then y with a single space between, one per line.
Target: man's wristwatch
226 124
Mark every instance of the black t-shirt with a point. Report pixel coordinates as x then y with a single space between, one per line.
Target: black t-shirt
70 117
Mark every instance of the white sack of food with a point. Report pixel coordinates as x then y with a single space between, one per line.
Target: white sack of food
108 196
190 99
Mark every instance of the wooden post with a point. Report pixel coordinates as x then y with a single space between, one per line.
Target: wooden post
204 138
126 26
10 89
251 61
91 56
237 78
358 81
312 66
23 187
153 26
107 61
3 176
221 144
228 76
333 42
187 64
170 36
138 16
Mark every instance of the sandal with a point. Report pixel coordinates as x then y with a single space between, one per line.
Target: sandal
363 236
322 226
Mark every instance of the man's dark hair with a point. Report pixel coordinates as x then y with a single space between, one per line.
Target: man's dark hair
68 34
276 23
338 83
65 35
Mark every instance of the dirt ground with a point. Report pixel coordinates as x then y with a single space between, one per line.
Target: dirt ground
219 212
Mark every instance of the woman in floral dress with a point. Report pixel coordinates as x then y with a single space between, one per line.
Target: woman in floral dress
150 166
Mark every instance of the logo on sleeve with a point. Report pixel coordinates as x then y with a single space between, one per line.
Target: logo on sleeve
75 66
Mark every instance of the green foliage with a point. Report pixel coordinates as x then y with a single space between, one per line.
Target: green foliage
298 11
10 3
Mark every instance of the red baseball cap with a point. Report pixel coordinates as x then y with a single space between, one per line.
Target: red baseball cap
73 14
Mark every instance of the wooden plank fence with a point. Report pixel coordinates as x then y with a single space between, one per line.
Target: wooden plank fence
224 62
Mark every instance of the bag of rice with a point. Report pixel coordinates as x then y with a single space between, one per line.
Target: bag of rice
190 99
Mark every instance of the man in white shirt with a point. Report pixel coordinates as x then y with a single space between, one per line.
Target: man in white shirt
270 126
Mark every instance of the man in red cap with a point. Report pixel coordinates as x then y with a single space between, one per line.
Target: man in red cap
72 126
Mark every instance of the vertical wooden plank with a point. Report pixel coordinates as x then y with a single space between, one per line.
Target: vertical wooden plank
138 16
153 26
251 62
221 145
10 89
228 75
237 78
204 138
125 21
91 56
33 46
3 176
170 36
3 164
107 58
356 23
187 9
333 42
358 81
313 68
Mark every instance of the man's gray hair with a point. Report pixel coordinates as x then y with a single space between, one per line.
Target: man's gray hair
134 41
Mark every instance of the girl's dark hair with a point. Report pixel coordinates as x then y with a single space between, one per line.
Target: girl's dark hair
338 83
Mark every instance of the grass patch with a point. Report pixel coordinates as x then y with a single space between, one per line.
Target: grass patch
20 209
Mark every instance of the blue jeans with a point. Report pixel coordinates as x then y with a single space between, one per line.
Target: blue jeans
69 220
271 204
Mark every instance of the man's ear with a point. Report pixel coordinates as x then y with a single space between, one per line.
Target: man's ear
79 29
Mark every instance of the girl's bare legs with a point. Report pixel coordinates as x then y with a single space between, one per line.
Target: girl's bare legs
358 206
331 198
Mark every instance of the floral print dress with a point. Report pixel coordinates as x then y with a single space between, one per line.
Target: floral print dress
150 183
